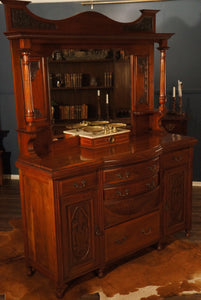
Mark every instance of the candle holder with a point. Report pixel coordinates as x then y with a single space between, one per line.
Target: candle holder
180 105
173 105
99 107
107 112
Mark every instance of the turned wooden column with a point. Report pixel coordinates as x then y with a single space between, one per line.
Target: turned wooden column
27 88
26 78
162 96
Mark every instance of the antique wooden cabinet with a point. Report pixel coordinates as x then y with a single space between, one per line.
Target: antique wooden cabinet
99 176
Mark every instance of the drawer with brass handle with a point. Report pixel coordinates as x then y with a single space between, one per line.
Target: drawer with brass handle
130 189
131 172
78 183
174 158
121 209
131 236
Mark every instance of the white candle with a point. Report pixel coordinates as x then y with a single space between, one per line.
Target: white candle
98 93
107 99
174 92
179 88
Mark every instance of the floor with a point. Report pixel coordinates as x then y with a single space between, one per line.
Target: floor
9 203
10 208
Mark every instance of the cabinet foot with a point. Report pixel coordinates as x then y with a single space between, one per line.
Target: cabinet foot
60 291
100 273
187 233
159 246
30 271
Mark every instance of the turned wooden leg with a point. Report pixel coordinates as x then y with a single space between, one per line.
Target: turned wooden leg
159 246
187 233
60 291
100 273
30 270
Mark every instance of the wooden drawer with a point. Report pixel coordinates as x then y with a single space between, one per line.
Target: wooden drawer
120 210
175 158
131 236
127 190
131 172
105 141
78 183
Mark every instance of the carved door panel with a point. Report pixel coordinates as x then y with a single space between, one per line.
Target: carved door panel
175 199
142 79
81 233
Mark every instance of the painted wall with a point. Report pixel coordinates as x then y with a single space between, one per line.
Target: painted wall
182 17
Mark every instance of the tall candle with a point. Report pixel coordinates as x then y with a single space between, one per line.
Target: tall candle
98 93
174 92
107 99
179 88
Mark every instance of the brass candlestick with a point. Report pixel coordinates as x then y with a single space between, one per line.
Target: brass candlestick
107 112
180 105
99 107
107 107
173 105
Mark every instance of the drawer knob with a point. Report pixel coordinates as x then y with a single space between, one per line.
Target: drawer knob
125 194
126 176
111 139
146 232
81 185
122 240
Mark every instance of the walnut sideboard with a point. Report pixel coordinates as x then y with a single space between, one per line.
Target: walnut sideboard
88 205
87 209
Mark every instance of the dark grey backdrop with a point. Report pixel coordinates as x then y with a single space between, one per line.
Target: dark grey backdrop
182 17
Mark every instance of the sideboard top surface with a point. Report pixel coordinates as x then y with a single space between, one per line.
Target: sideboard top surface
62 163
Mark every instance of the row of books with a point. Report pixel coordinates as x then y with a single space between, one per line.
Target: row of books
78 80
73 112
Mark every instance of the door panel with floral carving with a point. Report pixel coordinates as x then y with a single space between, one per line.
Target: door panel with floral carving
80 238
175 195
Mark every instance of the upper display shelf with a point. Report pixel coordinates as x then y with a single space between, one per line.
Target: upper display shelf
131 76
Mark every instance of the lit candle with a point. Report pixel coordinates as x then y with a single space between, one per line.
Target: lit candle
107 99
98 93
174 92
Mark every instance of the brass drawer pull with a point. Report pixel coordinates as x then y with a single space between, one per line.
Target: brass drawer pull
80 186
151 186
146 232
178 158
123 194
122 240
127 174
97 231
152 168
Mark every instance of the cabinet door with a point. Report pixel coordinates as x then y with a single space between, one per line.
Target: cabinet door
175 199
80 234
